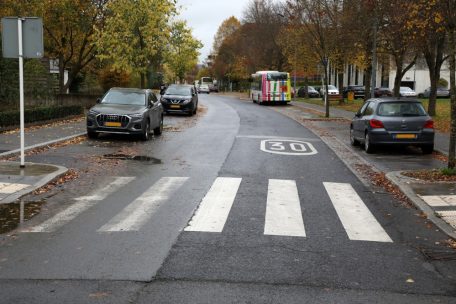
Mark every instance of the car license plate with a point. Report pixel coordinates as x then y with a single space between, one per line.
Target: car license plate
112 124
175 106
405 136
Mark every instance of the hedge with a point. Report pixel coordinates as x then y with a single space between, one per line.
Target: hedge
11 118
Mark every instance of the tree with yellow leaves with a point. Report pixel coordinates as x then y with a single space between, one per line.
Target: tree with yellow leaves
134 34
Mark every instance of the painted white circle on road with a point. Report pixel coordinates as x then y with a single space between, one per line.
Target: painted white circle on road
287 147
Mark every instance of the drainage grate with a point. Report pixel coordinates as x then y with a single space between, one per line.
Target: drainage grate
439 254
142 158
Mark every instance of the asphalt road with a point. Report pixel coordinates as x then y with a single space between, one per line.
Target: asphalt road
238 205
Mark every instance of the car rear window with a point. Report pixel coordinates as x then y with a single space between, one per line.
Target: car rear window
401 109
126 98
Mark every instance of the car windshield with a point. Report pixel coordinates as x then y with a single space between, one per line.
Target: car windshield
178 90
405 89
401 109
331 87
277 76
124 97
311 88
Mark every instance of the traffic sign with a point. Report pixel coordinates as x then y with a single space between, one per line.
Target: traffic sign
32 37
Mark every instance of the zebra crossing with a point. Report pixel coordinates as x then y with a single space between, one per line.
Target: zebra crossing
283 215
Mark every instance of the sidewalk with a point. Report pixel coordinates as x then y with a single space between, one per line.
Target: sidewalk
437 200
16 182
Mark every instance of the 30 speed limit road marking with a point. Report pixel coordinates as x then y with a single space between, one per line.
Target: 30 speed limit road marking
287 147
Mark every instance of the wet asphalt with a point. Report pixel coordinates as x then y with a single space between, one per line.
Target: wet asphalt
161 263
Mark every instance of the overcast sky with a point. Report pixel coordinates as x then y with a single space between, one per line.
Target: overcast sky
205 16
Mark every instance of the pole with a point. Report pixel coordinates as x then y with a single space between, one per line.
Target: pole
21 87
294 76
374 58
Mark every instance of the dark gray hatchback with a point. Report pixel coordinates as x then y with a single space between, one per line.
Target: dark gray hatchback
126 111
392 121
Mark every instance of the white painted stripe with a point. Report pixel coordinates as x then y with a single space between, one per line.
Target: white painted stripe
132 217
283 209
9 188
83 203
358 221
434 200
215 206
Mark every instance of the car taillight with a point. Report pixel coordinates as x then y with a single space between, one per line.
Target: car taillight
429 124
376 124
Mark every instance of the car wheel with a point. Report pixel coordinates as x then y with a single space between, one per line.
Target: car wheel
353 140
146 132
368 147
92 135
427 149
158 130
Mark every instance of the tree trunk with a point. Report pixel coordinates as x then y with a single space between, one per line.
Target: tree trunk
452 149
368 78
340 80
326 90
143 80
398 78
62 88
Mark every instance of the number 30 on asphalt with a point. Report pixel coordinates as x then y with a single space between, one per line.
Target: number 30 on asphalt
287 147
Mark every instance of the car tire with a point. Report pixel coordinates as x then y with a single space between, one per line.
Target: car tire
92 135
353 140
159 130
146 132
427 149
368 146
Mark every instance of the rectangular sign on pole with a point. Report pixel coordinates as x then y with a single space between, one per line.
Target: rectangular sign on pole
32 37
22 38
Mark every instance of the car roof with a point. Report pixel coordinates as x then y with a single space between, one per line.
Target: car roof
133 90
392 99
181 85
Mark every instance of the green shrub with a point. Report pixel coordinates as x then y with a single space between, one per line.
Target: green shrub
11 118
448 171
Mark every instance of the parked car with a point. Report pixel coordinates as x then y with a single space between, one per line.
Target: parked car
407 92
381 92
181 98
356 89
204 88
126 111
312 93
332 90
441 92
392 121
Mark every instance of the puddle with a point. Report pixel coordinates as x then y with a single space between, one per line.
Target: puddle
13 168
11 215
435 189
141 158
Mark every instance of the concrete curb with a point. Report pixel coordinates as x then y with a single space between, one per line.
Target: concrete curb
42 144
401 182
38 184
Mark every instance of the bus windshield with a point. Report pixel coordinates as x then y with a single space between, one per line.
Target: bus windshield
277 76
206 80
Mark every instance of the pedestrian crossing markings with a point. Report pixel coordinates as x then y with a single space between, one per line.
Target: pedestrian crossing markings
283 215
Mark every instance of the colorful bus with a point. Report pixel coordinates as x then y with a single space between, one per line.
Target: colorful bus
270 87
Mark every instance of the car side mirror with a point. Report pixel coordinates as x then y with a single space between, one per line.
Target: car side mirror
150 104
98 100
358 115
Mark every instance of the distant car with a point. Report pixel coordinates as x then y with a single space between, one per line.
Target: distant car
332 90
312 93
180 98
407 92
392 121
358 90
126 111
381 92
204 88
441 92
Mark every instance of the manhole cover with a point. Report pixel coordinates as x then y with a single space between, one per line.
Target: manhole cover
439 254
